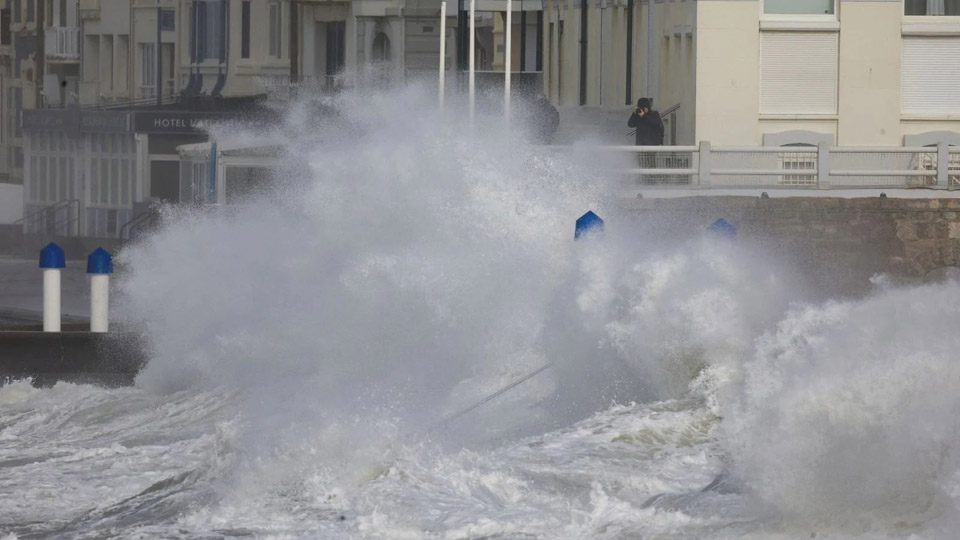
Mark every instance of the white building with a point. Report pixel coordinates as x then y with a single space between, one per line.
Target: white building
753 72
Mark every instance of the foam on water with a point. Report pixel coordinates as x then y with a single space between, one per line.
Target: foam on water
401 268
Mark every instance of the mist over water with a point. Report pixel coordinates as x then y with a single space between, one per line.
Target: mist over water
308 342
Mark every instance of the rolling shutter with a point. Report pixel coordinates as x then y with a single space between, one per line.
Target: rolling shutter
798 72
930 82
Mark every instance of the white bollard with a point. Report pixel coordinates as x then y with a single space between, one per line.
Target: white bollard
99 267
51 261
99 302
51 300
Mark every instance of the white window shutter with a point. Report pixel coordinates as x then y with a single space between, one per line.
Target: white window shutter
798 72
930 81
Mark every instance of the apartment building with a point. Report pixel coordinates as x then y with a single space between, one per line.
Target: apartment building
91 120
153 74
39 66
752 72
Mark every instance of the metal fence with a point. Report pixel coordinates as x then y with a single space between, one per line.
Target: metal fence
791 167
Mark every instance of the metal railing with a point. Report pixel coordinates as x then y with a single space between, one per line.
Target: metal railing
791 167
58 219
131 229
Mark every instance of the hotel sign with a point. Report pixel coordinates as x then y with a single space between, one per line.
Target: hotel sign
176 122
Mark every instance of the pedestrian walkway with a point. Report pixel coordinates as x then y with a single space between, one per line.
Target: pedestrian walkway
21 291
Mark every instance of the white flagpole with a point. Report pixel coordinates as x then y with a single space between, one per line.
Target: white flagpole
506 66
443 48
473 41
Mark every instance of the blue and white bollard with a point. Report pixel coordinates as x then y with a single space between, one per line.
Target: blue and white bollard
723 228
587 223
51 260
99 267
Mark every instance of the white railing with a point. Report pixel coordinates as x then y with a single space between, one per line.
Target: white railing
62 42
791 167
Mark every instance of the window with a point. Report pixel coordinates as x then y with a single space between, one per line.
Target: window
798 7
112 222
168 20
17 9
798 72
930 75
148 78
30 6
245 29
209 24
63 13
5 27
275 29
932 7
798 161
18 102
336 47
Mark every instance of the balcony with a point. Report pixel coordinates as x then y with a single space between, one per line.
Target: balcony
62 43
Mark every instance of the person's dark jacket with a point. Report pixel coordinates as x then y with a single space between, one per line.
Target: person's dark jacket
548 120
649 128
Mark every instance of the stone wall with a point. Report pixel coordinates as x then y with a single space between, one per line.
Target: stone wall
837 244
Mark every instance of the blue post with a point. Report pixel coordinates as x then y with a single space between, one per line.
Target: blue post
51 261
51 256
587 223
99 266
99 262
722 227
212 187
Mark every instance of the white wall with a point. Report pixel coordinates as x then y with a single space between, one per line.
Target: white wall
11 203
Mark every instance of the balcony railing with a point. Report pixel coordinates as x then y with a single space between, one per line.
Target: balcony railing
62 42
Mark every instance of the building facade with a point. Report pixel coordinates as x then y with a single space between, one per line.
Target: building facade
753 72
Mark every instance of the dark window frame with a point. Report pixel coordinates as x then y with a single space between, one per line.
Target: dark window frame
245 29
911 8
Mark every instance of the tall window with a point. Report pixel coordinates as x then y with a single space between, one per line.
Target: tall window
17 8
5 27
210 26
30 5
932 7
275 48
798 7
148 77
245 29
168 20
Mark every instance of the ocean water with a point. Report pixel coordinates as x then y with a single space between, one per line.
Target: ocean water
319 350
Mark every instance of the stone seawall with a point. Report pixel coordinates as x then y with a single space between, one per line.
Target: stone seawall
837 244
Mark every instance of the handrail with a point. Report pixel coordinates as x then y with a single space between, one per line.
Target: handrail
127 229
670 111
55 207
54 210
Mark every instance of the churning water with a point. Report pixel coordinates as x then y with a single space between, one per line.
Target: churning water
308 344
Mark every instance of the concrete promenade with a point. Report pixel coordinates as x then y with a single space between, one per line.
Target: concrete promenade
21 291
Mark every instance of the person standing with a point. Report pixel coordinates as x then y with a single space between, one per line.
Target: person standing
649 130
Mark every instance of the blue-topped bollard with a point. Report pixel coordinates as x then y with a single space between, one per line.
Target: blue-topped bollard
52 260
587 223
99 267
723 228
